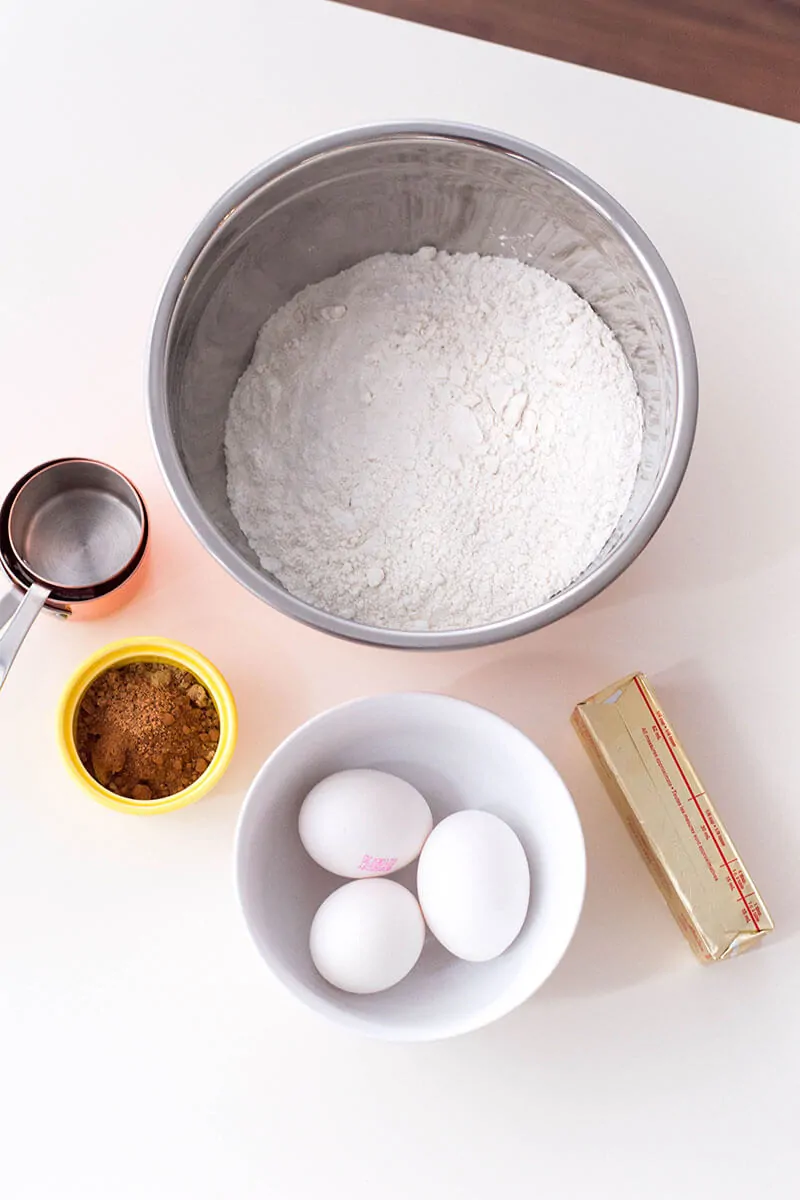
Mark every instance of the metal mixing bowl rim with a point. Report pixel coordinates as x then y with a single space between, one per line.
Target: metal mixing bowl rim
576 594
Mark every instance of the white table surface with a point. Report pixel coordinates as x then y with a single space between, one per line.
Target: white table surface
144 1051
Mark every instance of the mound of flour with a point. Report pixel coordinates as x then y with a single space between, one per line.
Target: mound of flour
432 441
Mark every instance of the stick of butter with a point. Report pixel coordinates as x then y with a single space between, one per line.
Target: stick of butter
671 819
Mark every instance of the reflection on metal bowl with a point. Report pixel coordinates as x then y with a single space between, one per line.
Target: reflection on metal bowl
325 205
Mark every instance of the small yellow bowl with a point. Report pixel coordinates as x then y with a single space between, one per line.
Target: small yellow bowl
162 650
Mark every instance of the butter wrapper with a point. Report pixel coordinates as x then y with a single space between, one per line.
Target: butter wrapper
671 819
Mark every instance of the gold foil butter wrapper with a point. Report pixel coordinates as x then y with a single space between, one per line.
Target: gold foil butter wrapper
671 819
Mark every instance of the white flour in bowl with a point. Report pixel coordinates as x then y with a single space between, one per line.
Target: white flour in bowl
432 441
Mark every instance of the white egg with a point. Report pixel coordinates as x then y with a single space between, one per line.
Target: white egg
367 935
474 884
362 823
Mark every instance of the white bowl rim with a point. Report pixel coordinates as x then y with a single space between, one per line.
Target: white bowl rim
431 1030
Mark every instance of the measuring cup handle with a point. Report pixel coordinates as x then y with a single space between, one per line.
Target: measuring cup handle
17 628
8 606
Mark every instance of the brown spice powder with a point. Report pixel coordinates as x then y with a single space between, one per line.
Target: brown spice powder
146 730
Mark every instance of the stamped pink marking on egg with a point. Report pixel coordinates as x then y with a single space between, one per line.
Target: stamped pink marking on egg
377 866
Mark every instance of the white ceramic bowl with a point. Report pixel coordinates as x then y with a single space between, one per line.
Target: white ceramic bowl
458 756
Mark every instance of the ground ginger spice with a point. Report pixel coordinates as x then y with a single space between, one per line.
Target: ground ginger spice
146 730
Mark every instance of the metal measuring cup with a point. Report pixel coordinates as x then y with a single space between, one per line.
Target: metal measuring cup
72 532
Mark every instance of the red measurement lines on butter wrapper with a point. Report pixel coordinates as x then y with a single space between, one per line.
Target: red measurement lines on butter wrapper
671 819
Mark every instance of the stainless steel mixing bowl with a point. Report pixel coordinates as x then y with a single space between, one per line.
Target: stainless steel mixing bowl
326 205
